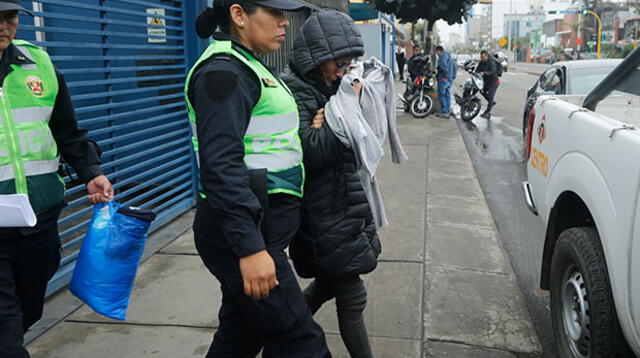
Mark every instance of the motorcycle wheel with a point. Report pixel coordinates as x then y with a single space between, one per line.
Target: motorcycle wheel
470 110
421 106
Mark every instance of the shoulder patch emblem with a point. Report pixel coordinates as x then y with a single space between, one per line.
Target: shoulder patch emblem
34 84
268 82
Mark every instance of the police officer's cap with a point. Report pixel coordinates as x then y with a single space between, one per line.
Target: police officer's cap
288 5
12 5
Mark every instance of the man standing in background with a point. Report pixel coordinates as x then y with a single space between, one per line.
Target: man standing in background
446 75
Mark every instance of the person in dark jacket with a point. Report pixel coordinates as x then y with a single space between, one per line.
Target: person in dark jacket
337 240
400 59
418 64
488 68
245 129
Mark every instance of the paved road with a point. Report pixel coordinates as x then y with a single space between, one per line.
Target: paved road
496 151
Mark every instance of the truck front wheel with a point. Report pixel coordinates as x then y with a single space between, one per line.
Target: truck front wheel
583 313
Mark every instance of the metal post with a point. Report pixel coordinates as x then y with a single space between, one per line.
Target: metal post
393 44
510 22
635 39
599 30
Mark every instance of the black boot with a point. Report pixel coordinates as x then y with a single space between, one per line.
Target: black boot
486 115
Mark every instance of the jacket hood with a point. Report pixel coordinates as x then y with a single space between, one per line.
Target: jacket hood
325 36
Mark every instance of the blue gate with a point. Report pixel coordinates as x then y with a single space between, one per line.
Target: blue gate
124 62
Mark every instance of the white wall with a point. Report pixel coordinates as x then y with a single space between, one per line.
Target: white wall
371 36
556 5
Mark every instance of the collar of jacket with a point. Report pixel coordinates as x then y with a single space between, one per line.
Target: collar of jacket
13 56
221 36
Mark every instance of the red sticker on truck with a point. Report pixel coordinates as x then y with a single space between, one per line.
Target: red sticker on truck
542 130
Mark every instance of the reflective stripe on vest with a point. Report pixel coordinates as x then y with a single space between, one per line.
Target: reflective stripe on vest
32 114
271 141
34 167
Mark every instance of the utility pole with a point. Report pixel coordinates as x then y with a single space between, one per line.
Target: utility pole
510 22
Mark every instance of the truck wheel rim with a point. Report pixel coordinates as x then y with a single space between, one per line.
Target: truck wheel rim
575 312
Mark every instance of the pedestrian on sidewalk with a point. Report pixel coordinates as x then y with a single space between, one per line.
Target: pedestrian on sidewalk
446 75
245 128
400 59
337 241
488 68
36 105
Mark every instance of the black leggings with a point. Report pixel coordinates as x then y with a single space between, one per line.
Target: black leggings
351 299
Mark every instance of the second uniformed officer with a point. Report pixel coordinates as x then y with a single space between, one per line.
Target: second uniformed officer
37 125
245 127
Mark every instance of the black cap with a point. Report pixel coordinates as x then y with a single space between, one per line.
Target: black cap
289 5
11 5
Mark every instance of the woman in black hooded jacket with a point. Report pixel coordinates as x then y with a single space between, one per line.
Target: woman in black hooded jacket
337 240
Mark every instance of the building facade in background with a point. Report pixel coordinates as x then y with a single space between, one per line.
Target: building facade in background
522 24
478 30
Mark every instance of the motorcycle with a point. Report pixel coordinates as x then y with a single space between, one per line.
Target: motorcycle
418 95
469 102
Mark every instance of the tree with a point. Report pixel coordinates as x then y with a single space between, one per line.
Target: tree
451 11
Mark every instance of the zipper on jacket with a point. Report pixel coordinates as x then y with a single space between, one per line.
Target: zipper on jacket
13 145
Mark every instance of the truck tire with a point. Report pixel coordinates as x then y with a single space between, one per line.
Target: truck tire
583 313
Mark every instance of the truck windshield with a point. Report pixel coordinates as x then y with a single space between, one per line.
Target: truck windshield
584 80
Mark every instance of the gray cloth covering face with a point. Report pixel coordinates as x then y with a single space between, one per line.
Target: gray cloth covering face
364 125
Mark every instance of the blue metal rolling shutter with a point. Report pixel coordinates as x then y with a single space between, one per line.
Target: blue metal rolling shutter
126 79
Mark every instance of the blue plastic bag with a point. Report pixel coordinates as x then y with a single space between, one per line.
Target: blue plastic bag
106 268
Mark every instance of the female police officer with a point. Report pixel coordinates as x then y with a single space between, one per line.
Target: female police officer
245 127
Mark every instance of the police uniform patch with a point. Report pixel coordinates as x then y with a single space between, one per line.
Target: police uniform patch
34 84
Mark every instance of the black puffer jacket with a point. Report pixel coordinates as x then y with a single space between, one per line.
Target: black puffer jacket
337 235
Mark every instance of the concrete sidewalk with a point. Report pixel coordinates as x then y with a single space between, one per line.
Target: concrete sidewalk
443 288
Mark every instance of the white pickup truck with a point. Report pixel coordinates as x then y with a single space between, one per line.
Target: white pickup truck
584 183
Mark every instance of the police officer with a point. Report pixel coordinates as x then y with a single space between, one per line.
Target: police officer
245 126
37 126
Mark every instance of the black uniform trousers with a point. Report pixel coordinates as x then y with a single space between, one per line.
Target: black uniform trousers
489 92
282 324
27 263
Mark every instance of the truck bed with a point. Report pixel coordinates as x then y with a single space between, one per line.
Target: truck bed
623 108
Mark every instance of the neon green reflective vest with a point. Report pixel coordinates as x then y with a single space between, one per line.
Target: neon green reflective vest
271 141
28 152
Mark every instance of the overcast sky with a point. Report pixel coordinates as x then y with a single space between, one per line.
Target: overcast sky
500 8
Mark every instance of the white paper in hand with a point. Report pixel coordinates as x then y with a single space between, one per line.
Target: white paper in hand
16 211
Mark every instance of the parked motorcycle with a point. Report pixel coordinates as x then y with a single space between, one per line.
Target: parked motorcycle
469 102
418 95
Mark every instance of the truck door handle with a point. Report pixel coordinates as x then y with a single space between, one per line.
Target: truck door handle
623 128
581 109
